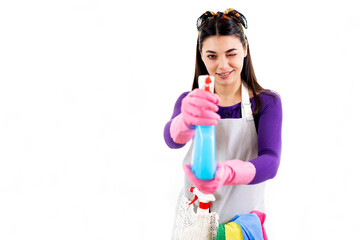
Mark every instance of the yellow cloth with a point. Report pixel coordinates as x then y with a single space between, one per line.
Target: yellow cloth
233 231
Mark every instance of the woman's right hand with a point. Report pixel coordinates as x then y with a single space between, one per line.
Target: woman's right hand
199 107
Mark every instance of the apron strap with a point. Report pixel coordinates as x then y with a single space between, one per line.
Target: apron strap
245 103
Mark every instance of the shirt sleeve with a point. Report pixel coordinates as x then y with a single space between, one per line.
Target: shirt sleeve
269 139
177 110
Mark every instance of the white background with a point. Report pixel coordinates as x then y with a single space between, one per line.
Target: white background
87 86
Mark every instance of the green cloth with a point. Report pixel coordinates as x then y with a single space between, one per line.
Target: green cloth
221 232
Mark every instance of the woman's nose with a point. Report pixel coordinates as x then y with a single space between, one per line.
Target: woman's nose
223 63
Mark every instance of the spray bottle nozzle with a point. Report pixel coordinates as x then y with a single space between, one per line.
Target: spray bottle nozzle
204 200
208 79
206 82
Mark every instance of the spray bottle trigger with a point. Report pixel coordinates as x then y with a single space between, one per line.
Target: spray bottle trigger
195 198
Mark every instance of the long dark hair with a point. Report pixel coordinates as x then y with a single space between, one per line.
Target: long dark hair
223 26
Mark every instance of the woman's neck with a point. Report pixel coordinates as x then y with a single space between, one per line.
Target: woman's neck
230 94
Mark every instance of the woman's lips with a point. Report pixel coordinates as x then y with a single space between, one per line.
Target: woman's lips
225 74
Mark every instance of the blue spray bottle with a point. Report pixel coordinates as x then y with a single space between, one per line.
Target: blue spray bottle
203 162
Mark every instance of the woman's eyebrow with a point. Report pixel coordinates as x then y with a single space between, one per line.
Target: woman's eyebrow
232 49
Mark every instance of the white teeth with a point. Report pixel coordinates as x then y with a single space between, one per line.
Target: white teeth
224 74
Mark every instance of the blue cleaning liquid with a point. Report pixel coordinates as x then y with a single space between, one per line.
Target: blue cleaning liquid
204 153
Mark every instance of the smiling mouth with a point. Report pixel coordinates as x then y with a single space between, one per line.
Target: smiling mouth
225 74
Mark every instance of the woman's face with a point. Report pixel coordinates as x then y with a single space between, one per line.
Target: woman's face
223 57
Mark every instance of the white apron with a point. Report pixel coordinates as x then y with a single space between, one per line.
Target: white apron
236 138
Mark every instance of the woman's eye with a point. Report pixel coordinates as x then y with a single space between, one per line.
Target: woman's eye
231 55
211 56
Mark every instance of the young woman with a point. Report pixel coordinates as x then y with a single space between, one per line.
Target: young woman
248 118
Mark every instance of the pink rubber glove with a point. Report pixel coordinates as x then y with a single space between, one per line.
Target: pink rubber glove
230 172
197 108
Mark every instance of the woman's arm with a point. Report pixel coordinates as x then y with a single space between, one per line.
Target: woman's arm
196 108
177 110
269 139
262 168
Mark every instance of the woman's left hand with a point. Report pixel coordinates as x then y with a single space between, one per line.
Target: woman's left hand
229 172
206 186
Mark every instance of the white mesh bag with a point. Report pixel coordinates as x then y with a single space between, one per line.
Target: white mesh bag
192 226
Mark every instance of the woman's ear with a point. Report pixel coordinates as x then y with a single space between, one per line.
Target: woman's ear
245 49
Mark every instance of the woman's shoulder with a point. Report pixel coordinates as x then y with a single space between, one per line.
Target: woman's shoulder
270 96
270 101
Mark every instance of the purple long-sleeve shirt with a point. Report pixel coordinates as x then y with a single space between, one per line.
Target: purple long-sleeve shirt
268 126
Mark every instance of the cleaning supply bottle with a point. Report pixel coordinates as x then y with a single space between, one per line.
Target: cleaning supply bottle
203 162
204 200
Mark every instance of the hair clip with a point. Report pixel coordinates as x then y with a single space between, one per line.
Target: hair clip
204 19
229 13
